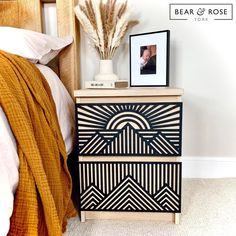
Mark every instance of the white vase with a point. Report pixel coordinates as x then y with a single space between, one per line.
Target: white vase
106 71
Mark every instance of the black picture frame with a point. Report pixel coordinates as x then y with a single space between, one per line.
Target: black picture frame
149 59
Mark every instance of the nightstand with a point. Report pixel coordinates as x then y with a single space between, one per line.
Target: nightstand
129 148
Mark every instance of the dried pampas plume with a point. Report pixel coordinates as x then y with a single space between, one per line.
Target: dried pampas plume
106 23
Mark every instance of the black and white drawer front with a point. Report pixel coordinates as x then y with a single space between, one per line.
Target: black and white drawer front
130 186
125 130
129 129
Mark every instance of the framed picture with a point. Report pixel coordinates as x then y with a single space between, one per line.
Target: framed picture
149 59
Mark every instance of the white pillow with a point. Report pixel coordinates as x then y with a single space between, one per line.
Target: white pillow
35 46
64 105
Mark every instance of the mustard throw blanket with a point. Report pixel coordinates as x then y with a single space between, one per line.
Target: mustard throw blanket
42 201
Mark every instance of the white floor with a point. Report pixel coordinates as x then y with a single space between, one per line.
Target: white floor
208 209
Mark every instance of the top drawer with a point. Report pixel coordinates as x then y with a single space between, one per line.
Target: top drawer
129 129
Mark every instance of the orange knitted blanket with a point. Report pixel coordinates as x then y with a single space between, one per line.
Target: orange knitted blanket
42 201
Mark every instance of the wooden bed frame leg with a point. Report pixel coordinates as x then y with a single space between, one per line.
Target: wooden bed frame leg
177 218
82 216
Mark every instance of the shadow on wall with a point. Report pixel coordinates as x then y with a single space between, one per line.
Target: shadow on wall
202 68
208 127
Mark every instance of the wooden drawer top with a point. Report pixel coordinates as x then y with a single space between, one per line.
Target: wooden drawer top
129 92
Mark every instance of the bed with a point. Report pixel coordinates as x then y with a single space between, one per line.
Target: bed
28 15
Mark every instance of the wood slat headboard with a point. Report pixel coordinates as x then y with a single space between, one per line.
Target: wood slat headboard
27 14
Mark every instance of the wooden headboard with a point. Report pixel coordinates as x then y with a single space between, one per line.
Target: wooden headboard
27 14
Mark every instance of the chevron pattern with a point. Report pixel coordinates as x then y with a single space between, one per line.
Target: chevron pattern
132 186
152 129
91 197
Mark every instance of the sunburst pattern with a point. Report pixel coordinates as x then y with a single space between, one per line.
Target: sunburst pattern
129 129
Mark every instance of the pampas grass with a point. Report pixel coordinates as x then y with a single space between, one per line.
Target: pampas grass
105 23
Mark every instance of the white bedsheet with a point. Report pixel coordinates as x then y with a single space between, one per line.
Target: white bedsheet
9 162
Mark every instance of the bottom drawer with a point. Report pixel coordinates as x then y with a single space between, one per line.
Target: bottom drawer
130 186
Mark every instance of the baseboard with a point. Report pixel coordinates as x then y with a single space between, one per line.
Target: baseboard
209 167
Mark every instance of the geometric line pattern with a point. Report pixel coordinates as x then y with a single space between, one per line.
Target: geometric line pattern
130 129
130 186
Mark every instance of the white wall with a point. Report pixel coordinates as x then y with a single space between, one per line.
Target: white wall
202 61
50 19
